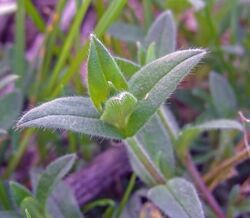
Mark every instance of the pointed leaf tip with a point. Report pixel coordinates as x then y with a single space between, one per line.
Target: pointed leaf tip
163 33
178 198
155 82
70 113
222 91
102 69
52 175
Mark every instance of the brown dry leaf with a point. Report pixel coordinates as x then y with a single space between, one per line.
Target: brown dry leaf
223 177
149 210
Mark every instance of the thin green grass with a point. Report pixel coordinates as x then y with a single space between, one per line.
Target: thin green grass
67 46
19 47
107 19
35 15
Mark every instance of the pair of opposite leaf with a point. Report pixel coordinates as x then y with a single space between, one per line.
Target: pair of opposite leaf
123 106
105 78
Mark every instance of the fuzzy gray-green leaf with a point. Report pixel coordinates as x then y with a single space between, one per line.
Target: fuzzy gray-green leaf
224 99
127 67
33 207
70 113
19 192
74 106
97 84
155 82
163 33
52 175
126 32
62 203
174 65
178 198
102 69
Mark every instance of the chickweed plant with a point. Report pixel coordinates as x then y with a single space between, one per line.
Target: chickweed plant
126 103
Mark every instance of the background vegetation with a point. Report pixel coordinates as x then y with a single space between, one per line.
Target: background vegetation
43 55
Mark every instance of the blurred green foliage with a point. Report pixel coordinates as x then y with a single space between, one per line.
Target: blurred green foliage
218 89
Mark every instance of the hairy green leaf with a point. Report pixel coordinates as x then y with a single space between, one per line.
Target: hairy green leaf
118 109
52 175
97 84
74 106
102 69
155 82
173 65
70 113
19 192
163 33
127 67
89 126
110 68
224 99
178 198
126 32
62 203
32 206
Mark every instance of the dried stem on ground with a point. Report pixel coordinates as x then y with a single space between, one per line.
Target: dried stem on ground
98 176
200 185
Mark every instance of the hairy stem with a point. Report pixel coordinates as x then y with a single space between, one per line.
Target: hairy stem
139 152
165 123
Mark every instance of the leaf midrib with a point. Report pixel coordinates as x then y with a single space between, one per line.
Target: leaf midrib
177 199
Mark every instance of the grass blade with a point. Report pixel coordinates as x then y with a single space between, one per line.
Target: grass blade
35 15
